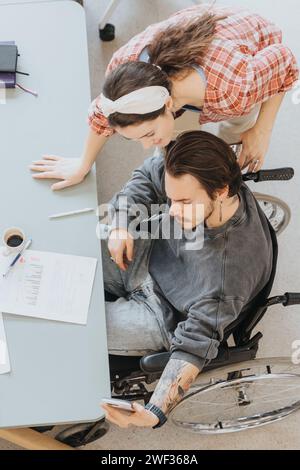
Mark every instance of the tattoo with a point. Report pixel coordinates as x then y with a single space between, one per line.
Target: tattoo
173 384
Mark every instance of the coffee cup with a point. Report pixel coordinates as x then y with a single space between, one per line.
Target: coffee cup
13 240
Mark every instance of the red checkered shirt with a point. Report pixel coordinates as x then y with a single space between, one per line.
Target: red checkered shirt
245 64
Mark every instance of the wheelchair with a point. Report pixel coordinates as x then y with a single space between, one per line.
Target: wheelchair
234 391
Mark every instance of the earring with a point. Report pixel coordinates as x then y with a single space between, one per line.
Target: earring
220 212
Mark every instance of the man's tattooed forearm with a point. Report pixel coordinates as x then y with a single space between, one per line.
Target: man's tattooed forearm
173 384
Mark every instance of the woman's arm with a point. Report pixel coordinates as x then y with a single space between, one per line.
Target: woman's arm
268 112
256 140
93 144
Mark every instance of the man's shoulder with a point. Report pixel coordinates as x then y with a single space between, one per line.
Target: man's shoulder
155 164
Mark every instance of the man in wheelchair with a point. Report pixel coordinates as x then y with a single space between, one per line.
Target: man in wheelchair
171 293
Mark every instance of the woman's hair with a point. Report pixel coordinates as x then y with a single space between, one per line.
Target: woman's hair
175 50
129 77
179 46
206 157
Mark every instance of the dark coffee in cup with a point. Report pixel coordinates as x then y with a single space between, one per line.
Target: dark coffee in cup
14 240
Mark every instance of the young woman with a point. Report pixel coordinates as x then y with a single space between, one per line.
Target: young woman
226 64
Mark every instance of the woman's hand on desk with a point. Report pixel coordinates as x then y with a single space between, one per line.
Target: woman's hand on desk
66 169
120 245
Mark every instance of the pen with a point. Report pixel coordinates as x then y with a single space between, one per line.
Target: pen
18 257
64 214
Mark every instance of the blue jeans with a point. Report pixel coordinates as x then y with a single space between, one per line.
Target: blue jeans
134 321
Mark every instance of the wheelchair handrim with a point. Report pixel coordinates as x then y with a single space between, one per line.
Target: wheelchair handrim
221 425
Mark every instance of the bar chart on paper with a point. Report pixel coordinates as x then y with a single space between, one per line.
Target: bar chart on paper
48 285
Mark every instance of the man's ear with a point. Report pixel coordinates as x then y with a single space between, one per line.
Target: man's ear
222 194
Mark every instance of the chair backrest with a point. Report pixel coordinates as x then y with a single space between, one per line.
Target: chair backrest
253 312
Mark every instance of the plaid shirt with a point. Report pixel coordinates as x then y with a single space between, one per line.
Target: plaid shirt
244 65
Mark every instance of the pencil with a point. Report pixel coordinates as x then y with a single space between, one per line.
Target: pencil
14 261
65 214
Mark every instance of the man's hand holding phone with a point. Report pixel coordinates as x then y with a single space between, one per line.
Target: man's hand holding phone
123 413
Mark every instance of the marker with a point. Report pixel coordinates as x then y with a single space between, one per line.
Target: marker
65 214
18 257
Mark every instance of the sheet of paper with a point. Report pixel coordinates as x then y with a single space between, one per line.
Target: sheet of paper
48 285
4 357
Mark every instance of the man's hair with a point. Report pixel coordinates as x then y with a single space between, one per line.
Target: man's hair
206 157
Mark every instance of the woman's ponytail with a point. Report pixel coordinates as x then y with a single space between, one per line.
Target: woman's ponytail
179 46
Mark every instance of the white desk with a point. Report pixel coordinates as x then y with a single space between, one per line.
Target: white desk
59 371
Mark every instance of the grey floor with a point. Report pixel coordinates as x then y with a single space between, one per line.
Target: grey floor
281 326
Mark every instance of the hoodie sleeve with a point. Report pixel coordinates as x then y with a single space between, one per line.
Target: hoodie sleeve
144 189
196 340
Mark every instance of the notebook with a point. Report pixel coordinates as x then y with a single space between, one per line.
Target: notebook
6 61
8 57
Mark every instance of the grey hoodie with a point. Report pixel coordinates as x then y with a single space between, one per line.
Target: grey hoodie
201 291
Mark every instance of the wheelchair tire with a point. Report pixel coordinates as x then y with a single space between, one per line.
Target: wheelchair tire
42 429
83 433
276 210
240 396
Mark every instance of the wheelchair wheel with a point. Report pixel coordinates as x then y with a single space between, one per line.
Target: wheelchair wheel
83 433
276 210
241 396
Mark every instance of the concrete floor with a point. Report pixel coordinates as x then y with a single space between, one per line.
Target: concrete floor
281 326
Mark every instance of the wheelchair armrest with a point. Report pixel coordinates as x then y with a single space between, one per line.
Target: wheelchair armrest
154 363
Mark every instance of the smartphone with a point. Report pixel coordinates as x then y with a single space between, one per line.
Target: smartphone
122 404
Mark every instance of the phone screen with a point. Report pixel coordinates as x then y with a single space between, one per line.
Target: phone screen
122 404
